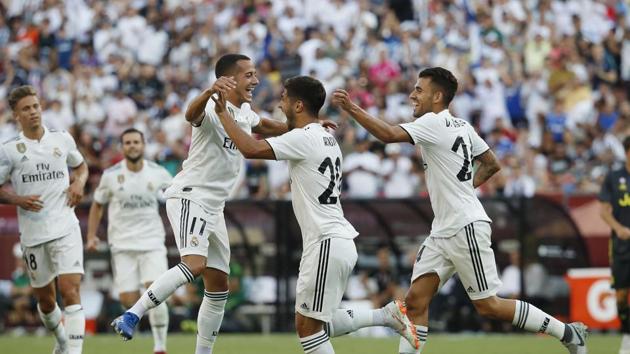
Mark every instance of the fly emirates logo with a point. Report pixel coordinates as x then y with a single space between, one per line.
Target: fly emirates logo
43 174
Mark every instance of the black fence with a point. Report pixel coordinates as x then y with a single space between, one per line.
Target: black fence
266 241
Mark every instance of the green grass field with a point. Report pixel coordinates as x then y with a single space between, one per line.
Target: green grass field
287 343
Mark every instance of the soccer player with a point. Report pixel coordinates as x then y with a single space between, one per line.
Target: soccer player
460 234
615 200
135 231
37 162
197 197
329 253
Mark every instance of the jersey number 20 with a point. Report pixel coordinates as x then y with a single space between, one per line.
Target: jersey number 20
464 174
326 196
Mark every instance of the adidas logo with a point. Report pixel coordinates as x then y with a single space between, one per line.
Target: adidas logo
470 289
350 313
153 298
304 306
77 264
24 158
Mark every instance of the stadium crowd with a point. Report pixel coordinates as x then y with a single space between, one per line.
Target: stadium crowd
546 82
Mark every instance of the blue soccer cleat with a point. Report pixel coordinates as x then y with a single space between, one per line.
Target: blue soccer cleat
125 325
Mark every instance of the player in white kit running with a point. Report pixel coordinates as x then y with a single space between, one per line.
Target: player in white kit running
197 197
329 253
36 162
460 234
135 232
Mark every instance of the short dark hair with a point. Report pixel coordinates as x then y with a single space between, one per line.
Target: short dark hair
19 93
443 79
626 143
308 90
130 131
226 64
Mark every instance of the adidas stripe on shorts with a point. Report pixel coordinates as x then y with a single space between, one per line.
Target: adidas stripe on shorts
468 253
324 272
199 232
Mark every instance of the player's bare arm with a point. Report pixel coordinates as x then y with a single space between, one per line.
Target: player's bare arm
489 165
246 144
94 219
382 130
27 202
79 178
196 109
269 127
606 212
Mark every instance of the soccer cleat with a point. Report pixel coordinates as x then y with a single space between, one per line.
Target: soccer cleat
578 343
125 325
398 320
625 344
60 348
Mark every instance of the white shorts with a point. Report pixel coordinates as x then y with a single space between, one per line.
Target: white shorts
199 232
324 271
468 253
60 256
133 269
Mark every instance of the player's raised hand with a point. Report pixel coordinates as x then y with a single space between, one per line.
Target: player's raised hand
341 99
92 243
328 124
219 101
30 203
623 233
75 194
223 84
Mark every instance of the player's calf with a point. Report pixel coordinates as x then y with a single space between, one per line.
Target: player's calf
312 335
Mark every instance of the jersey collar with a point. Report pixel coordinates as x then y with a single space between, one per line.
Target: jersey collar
21 135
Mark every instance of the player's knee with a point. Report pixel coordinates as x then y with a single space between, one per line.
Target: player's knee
69 293
306 326
47 304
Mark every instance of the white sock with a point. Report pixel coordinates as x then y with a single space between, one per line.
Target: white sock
345 321
75 325
531 318
405 348
158 318
209 320
318 343
162 288
52 322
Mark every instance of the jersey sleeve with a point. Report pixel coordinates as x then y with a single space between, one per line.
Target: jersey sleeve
293 145
423 130
74 158
254 119
164 177
103 192
479 146
6 166
606 192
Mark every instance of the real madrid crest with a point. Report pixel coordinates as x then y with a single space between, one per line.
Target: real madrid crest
194 241
57 152
121 179
21 148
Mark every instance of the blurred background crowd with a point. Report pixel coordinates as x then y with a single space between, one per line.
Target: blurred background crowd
546 82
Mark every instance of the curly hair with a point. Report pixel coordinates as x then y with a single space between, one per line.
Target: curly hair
444 80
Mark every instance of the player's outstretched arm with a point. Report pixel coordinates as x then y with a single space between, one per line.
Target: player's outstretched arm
246 144
196 108
606 213
382 130
489 166
270 127
94 219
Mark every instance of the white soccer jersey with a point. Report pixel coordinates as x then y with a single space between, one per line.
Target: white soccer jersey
315 169
134 219
449 146
213 164
41 168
